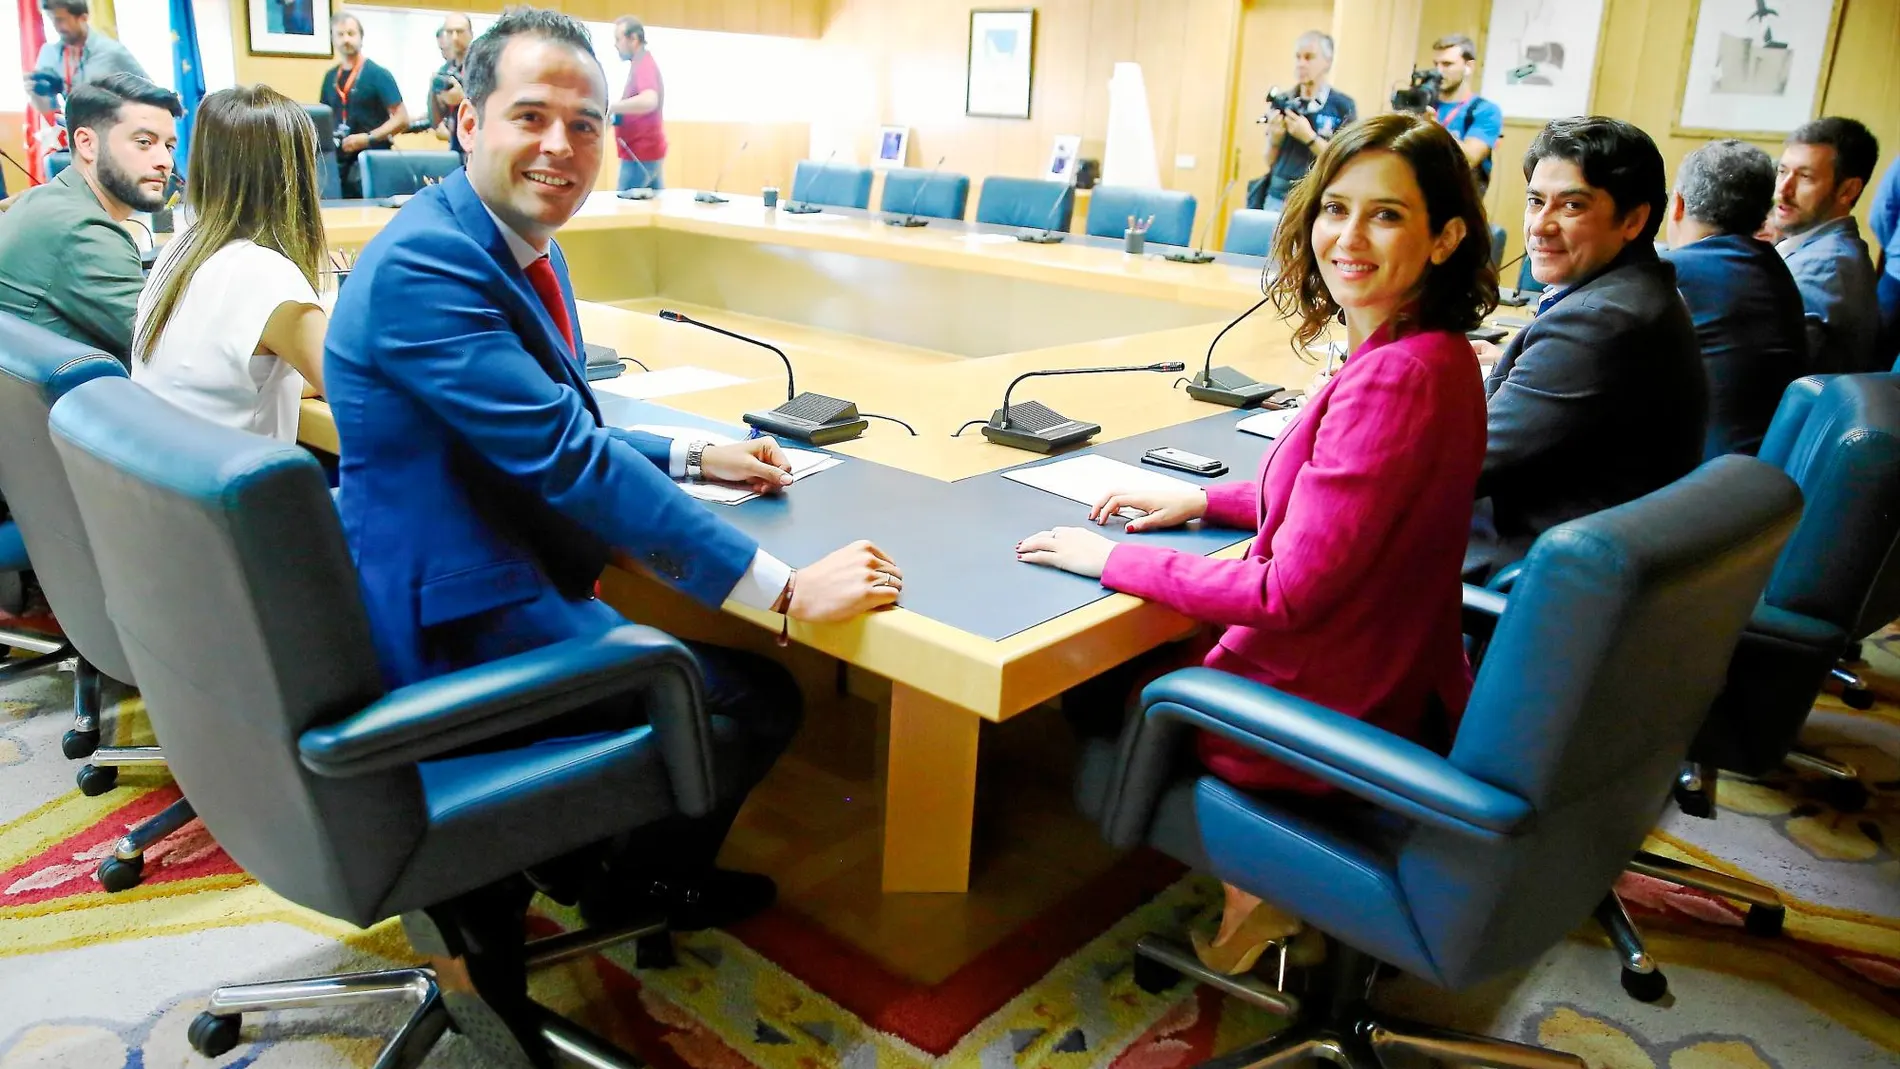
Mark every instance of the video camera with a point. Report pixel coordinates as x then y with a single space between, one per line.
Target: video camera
1422 94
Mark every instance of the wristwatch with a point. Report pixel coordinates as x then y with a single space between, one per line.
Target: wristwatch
695 452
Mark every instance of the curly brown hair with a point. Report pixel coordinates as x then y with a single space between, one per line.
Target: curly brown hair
1455 295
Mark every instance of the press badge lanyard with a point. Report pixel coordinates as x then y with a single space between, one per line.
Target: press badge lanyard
343 87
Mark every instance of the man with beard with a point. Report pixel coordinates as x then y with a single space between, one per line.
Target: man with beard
78 55
1476 122
1825 165
66 262
363 95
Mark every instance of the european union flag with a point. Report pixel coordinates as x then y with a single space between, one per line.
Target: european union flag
188 71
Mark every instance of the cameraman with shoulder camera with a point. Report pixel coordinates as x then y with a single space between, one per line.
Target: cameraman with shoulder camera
1300 123
1476 122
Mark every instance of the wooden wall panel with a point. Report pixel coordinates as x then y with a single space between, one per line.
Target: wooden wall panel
1268 30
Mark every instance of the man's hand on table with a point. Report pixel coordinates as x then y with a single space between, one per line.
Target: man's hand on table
845 583
757 463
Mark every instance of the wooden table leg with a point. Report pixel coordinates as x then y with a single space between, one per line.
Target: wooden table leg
930 796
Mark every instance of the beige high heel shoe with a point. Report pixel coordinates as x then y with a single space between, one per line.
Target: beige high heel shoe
1264 926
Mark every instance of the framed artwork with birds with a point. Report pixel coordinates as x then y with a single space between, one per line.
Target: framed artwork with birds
1755 67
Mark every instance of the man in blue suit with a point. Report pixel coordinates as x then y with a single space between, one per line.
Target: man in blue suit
1825 165
1744 302
481 494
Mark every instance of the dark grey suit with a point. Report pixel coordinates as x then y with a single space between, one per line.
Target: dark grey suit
1600 400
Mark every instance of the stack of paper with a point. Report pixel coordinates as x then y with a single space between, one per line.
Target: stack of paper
1091 478
1268 424
804 462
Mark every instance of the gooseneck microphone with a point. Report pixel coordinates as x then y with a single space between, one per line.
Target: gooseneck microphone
1038 428
909 218
1048 236
711 196
811 418
1228 386
1207 227
644 190
799 207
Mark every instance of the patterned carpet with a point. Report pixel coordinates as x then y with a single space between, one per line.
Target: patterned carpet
96 981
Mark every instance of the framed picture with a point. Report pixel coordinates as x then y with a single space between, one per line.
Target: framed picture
1002 63
1755 68
1062 158
288 27
893 146
1540 57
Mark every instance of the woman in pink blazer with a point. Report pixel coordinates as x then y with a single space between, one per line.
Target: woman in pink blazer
1349 597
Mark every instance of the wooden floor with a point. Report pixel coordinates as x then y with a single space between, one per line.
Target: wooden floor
815 826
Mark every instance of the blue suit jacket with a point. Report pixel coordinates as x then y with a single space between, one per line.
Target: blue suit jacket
480 492
1837 281
1749 319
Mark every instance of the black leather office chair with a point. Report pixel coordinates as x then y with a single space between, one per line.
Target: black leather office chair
1461 867
230 581
37 368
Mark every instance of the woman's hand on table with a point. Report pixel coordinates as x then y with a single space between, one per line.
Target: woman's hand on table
1162 509
1072 549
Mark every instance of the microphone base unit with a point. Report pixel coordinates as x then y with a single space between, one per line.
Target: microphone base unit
1195 256
801 208
1231 388
1037 428
1046 237
641 193
906 220
811 418
709 197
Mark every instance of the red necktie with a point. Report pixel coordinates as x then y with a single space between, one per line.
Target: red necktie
548 288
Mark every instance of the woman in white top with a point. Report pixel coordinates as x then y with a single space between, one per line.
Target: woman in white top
229 326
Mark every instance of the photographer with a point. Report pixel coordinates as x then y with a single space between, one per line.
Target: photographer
1476 122
445 89
1299 124
363 94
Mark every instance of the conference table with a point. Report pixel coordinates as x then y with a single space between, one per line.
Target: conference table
926 325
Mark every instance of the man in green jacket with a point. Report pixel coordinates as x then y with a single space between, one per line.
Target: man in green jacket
66 262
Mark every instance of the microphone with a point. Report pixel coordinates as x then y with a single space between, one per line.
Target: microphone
1230 386
1038 428
1048 235
799 207
711 196
909 218
811 418
1207 227
644 190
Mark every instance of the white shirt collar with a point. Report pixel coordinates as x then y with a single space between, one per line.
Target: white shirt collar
525 253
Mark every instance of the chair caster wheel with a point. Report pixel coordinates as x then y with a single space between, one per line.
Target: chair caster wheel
1845 795
76 744
654 951
117 874
1857 698
1695 803
1153 977
95 780
1645 986
1765 921
213 1034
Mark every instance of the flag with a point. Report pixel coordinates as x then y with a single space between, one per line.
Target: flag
41 132
187 71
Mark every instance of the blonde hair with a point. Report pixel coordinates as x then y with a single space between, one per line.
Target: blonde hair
253 177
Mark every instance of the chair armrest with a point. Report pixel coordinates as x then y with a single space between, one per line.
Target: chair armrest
439 716
1792 627
1506 577
1388 771
1482 610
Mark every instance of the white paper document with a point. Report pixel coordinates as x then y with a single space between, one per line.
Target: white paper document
665 382
1268 424
1090 478
804 462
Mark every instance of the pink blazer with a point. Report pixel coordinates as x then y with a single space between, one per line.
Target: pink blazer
1350 595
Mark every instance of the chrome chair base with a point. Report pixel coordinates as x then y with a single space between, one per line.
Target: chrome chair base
1642 980
1344 1031
1766 910
215 1031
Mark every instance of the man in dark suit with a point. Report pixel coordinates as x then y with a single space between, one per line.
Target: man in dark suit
482 495
1746 307
1602 398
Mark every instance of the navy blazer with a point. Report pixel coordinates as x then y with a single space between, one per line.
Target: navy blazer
480 492
1602 399
1753 331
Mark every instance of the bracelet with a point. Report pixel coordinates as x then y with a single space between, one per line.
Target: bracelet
695 455
783 606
